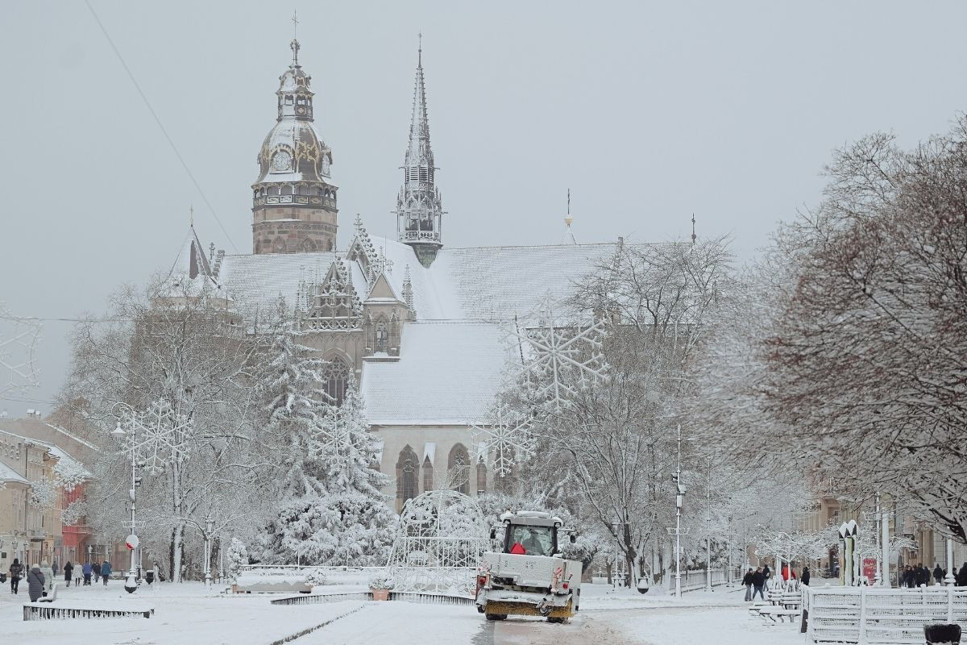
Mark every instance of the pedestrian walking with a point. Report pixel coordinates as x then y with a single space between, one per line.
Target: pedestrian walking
87 570
804 578
105 571
758 582
938 574
16 571
747 582
35 583
68 573
96 572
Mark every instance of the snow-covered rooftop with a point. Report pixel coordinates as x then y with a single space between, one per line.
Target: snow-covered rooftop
8 474
448 374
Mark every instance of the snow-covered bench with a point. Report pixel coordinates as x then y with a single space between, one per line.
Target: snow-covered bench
272 581
46 609
775 614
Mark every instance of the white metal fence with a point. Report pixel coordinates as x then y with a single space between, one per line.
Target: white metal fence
694 579
874 615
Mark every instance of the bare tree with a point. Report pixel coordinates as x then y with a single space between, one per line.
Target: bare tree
867 363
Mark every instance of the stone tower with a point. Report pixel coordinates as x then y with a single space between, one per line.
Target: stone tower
294 200
418 207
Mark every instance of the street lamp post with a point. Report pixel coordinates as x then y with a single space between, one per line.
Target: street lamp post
679 500
131 581
949 579
708 529
209 527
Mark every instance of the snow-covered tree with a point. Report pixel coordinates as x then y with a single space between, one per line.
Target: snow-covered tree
343 517
174 367
604 410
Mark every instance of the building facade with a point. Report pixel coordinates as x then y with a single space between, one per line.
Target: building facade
422 328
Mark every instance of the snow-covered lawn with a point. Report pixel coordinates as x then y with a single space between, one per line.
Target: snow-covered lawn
189 613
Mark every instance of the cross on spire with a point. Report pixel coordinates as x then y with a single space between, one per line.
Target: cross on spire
295 39
419 51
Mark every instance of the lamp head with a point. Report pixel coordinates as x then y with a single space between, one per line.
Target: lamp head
118 431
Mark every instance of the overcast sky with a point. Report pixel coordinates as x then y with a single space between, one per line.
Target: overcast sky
648 112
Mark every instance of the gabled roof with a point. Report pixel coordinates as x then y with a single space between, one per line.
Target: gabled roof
9 475
448 374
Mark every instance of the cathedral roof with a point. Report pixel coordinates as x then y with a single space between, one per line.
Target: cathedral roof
428 385
474 283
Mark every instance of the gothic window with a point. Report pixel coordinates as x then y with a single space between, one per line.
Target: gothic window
381 336
335 379
458 469
308 245
278 246
481 477
406 467
286 189
427 474
288 100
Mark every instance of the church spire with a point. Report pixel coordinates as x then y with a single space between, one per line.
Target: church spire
419 209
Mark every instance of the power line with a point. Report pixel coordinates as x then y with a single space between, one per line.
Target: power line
160 125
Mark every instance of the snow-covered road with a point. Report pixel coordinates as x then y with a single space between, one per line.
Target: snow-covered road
188 614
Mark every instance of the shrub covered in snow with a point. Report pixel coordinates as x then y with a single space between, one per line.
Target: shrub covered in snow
237 558
381 580
315 577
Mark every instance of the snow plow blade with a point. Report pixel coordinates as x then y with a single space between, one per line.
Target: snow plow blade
503 608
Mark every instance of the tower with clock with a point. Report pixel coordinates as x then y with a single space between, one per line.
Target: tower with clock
294 199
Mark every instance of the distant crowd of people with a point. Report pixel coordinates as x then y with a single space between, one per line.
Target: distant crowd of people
917 575
912 576
40 577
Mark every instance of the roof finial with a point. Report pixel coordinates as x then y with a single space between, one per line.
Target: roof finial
693 228
295 39
419 52
191 216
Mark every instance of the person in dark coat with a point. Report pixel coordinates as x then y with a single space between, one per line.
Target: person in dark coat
35 583
68 572
16 572
804 578
938 574
105 571
747 583
758 582
96 572
962 576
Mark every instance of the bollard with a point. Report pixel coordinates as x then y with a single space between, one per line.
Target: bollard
942 633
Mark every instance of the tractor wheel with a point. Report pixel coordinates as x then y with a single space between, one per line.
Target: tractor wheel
557 619
496 616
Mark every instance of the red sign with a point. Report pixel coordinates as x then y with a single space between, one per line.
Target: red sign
869 569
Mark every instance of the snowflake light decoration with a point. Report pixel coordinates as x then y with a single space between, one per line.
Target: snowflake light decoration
509 438
160 436
559 359
18 338
333 431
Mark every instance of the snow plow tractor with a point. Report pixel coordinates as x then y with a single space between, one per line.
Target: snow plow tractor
528 576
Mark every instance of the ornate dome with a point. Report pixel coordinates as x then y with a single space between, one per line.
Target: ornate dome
293 150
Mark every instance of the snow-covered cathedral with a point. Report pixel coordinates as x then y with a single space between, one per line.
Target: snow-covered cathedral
424 329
